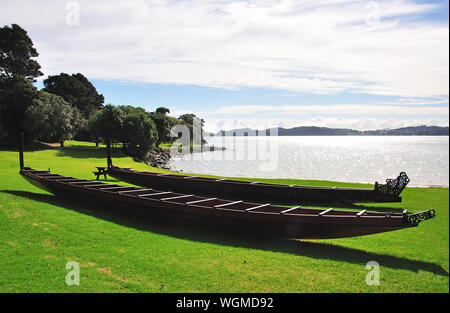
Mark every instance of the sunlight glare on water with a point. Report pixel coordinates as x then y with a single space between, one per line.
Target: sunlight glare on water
364 159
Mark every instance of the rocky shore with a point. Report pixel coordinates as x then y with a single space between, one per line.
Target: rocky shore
161 158
158 159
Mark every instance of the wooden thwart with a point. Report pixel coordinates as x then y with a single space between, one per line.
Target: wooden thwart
135 190
34 171
325 212
258 207
227 204
82 182
99 185
176 197
62 177
155 194
115 188
361 213
200 201
290 209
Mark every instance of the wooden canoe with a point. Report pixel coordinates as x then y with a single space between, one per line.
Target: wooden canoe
273 220
262 192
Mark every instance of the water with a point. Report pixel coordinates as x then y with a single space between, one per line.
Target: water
363 159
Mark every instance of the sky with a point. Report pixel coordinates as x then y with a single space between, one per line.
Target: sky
260 63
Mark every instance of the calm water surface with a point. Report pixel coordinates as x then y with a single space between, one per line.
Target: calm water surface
347 158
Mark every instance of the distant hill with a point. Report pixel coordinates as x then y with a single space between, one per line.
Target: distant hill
411 131
325 131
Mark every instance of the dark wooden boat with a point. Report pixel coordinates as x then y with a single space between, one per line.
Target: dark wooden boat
258 191
272 220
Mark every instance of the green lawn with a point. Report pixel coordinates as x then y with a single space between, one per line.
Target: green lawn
40 233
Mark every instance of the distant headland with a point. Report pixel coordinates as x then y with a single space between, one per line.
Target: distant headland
325 131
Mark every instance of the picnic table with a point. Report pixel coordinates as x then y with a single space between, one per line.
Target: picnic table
101 170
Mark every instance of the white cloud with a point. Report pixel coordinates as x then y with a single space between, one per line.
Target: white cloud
416 101
300 46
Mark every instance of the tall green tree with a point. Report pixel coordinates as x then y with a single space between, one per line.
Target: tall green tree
16 95
17 72
51 118
77 90
16 53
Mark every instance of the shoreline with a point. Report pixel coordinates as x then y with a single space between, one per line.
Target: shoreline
161 158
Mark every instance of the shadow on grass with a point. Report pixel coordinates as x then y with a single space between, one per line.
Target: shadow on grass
33 146
82 152
315 250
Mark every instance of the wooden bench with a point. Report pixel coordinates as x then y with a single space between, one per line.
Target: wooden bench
101 170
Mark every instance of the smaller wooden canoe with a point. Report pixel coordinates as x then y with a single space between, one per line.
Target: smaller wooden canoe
272 220
262 192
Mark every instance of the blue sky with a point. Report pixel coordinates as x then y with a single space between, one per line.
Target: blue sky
265 63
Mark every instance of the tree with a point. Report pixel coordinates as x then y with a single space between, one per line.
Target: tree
17 72
16 95
139 133
16 51
128 110
77 90
80 126
162 110
173 121
194 123
51 118
107 124
162 127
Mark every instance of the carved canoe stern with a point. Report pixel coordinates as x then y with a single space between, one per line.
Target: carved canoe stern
393 186
416 218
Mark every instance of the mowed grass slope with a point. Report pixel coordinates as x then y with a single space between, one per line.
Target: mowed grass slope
40 233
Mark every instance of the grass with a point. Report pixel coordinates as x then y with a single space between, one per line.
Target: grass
40 233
